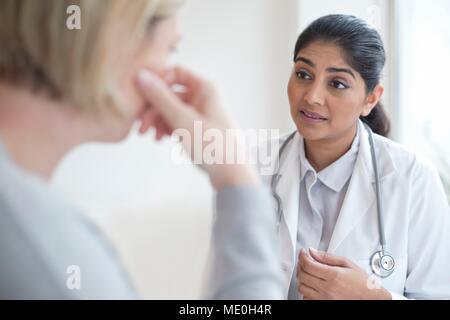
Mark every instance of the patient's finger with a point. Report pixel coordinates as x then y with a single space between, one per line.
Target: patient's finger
148 119
164 101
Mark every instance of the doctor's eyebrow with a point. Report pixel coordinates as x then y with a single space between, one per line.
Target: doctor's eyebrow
307 61
331 69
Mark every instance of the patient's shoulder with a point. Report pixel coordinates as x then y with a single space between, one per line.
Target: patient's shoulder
43 236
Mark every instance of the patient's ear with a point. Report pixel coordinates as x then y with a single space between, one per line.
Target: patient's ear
372 100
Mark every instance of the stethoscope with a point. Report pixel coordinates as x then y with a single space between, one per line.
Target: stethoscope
381 262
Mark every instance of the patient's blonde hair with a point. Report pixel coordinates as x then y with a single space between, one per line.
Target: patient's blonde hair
81 66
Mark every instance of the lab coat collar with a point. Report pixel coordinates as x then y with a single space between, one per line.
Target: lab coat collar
385 161
360 196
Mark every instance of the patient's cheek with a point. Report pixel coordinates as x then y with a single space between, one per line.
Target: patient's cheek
146 57
133 100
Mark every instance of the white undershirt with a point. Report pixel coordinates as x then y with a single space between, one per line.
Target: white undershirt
320 201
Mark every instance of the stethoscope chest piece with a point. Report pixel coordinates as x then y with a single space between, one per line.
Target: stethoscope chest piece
382 264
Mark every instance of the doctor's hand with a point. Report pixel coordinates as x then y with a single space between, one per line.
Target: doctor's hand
196 105
324 276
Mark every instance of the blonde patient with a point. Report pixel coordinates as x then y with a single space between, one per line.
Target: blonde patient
60 88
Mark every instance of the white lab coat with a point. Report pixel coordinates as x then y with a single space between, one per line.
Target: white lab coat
416 218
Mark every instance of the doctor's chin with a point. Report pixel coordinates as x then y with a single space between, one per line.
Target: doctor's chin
253 150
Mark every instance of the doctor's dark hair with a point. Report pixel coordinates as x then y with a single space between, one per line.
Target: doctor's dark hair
363 50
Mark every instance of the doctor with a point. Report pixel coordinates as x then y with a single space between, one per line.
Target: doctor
339 237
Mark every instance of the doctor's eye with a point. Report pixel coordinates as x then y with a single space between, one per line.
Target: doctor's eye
302 74
339 85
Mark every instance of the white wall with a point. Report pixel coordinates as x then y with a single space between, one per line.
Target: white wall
156 213
424 108
246 48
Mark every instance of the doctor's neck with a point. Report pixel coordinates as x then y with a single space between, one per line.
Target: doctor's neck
36 131
322 153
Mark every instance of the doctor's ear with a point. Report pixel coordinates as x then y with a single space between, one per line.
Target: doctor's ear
372 100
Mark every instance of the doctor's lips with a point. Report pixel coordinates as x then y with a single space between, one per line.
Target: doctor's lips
312 116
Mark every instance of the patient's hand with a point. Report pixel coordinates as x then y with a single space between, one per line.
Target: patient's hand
198 94
198 101
324 276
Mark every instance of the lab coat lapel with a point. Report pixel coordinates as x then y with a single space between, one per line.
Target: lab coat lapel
361 194
288 190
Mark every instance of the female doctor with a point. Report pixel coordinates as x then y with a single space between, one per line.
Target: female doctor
352 224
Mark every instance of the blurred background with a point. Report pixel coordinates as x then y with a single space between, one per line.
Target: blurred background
159 214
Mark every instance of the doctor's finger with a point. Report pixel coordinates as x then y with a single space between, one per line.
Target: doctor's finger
310 280
308 292
315 268
330 259
301 265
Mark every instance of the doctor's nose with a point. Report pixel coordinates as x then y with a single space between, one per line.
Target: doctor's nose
314 95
